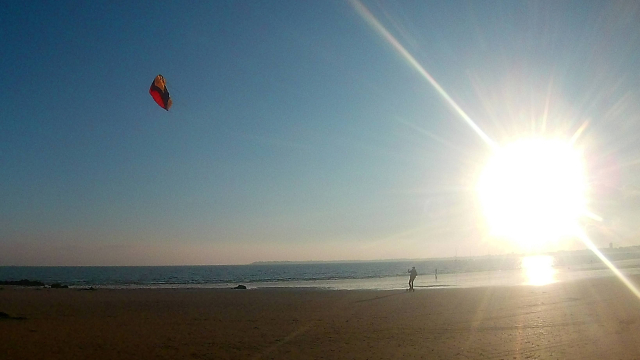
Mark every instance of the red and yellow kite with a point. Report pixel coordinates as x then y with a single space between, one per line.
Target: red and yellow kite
160 93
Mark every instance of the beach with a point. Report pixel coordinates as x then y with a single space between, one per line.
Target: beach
583 319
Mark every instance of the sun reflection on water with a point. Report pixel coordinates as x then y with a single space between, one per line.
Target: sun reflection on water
539 270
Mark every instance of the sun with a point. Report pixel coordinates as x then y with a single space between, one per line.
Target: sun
533 192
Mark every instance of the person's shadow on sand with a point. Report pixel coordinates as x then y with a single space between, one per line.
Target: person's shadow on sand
378 298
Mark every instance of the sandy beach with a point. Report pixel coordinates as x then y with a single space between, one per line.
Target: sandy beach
586 319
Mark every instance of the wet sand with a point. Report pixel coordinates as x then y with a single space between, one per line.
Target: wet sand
586 319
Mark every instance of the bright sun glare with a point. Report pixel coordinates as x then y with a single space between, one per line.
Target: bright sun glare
539 270
533 192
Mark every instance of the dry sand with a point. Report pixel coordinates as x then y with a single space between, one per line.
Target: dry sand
588 319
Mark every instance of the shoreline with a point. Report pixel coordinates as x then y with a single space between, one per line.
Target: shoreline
399 282
331 278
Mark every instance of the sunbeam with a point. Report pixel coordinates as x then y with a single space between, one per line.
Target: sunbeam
371 19
585 239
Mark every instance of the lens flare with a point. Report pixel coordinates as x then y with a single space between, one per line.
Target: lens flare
585 239
382 31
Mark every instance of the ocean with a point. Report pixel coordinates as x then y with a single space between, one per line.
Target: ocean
505 270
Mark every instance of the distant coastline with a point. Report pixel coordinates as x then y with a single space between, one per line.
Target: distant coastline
632 250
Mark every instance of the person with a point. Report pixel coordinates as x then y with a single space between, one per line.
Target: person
412 276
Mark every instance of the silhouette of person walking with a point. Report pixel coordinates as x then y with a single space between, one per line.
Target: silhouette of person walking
412 276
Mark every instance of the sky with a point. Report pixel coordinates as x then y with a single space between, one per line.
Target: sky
299 130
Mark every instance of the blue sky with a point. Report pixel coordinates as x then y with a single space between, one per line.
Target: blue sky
297 132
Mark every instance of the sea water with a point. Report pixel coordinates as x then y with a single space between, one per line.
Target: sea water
378 275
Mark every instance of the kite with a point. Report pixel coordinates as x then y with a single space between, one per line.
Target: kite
159 92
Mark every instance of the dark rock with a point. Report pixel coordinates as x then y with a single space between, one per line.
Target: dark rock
5 316
59 286
242 287
23 282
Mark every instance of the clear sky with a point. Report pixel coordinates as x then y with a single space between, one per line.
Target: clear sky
298 131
